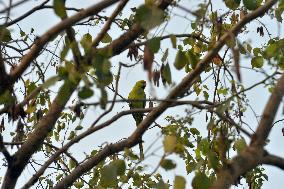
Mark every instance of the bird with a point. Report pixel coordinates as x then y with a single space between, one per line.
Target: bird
137 99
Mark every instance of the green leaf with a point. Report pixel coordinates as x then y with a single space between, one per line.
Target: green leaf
129 153
242 49
213 160
102 70
174 41
279 11
192 58
194 131
281 62
103 99
249 47
252 4
50 81
71 135
167 164
257 62
5 35
166 74
7 98
204 146
79 127
232 4
154 44
180 60
256 51
86 42
271 50
169 143
79 184
240 145
223 91
149 16
59 8
107 38
22 33
59 177
200 181
206 95
71 164
108 177
85 93
120 166
179 182
190 167
193 25
165 55
64 51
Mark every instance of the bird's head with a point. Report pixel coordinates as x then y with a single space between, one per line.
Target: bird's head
141 84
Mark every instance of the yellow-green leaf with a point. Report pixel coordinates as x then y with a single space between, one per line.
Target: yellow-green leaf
179 182
257 62
169 143
72 164
154 44
180 60
86 42
59 8
50 81
252 4
79 184
149 16
85 93
200 181
167 164
107 38
108 177
5 35
174 41
71 135
232 4
7 98
165 55
120 166
166 74
240 145
271 50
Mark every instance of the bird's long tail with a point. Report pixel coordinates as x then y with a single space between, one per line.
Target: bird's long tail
138 121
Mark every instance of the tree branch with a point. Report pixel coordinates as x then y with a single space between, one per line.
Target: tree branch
5 152
181 88
253 154
108 23
51 33
23 16
91 130
273 160
120 44
36 138
266 122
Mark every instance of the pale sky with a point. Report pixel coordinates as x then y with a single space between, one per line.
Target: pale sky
45 19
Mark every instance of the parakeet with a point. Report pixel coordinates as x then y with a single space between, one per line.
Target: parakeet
137 93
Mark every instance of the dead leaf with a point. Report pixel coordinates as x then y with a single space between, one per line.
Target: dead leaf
148 61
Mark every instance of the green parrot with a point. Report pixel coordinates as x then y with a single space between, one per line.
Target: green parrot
137 93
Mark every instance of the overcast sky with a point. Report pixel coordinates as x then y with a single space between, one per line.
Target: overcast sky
45 19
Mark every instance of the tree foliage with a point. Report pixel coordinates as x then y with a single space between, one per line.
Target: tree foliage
60 87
